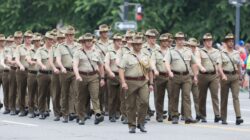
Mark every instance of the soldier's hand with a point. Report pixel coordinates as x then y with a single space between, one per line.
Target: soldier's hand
203 69
171 75
7 67
112 75
151 88
22 68
64 70
44 67
195 80
79 78
224 77
156 72
56 71
102 83
125 86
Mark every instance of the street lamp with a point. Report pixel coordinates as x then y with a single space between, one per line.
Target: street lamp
237 4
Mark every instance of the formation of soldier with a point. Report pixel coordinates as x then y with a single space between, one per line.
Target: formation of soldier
115 76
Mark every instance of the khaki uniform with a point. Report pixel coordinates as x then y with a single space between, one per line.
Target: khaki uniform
161 83
209 80
230 70
21 76
137 95
103 48
89 86
67 79
113 83
4 81
182 79
43 79
9 52
32 82
55 85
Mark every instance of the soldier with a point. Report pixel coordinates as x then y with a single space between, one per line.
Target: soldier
113 76
148 48
210 58
178 61
32 75
161 76
87 63
43 78
4 71
55 81
193 44
64 56
134 74
21 74
230 70
102 45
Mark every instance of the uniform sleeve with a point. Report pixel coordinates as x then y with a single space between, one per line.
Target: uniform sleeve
76 56
167 57
123 62
17 52
38 55
58 51
107 57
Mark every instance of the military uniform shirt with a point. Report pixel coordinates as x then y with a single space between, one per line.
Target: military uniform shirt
112 56
132 66
226 63
84 63
103 47
1 58
22 52
148 50
43 55
31 55
158 58
214 54
65 54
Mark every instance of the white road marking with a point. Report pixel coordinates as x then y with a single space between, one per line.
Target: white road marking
19 123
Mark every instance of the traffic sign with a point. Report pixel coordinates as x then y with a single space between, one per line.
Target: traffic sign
126 25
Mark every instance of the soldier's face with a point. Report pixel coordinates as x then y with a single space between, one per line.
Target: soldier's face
60 40
88 43
165 43
36 43
18 40
137 47
152 39
230 43
1 42
208 43
104 34
118 43
179 41
27 40
70 37
49 41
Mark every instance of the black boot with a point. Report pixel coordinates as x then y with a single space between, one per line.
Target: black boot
175 120
239 120
72 116
6 111
159 118
65 119
203 120
1 105
188 121
142 127
57 118
125 121
81 121
198 118
132 129
217 118
112 119
98 118
42 116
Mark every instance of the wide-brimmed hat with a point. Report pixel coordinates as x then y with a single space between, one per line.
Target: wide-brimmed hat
136 40
10 38
117 37
104 28
69 30
152 32
28 33
18 34
179 35
229 36
2 37
129 33
49 35
207 36
164 37
192 42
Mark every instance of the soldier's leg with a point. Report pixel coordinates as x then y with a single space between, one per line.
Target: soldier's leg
21 89
112 96
123 104
6 91
214 89
43 91
56 92
203 87
195 92
65 91
131 105
93 88
170 98
32 88
143 101
72 97
82 94
12 91
176 86
235 88
186 90
224 98
161 88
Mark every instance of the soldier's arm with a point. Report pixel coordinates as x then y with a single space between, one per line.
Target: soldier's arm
3 62
51 62
76 70
59 59
39 60
107 64
17 60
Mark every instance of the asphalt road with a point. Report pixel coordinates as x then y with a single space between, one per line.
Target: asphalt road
24 128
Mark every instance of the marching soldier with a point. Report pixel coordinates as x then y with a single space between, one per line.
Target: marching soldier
21 74
87 63
230 70
210 58
43 78
193 44
64 56
178 61
113 76
134 74
55 81
4 71
102 45
161 76
32 76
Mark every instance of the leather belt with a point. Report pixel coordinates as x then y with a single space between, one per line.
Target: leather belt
180 73
33 59
32 71
13 68
142 78
69 69
88 73
6 70
116 73
163 73
208 72
45 71
229 72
